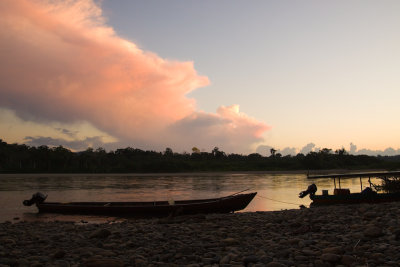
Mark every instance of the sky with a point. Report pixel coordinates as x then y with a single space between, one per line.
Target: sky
244 76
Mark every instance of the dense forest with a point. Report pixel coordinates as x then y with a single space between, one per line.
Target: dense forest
20 158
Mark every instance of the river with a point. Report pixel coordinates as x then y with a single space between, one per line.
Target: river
275 191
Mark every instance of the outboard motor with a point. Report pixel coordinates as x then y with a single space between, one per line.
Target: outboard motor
36 198
310 190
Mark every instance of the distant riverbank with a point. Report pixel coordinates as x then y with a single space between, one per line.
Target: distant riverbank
43 159
305 172
358 235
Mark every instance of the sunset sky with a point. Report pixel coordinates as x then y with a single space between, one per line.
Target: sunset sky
244 76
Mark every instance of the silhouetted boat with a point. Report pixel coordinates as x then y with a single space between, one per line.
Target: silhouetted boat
226 204
354 198
367 195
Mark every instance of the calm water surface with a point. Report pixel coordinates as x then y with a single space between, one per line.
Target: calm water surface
275 191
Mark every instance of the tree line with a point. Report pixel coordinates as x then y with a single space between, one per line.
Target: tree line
20 158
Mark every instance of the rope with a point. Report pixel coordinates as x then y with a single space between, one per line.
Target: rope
279 200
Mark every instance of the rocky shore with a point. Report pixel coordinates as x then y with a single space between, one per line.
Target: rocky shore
359 235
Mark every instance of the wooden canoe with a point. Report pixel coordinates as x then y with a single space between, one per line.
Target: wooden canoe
153 209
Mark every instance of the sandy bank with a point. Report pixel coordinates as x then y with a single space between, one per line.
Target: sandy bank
359 235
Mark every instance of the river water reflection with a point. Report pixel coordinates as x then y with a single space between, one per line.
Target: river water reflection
275 191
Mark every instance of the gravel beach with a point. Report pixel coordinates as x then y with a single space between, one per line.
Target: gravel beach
357 235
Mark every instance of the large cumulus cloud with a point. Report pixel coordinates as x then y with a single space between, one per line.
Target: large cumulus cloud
59 61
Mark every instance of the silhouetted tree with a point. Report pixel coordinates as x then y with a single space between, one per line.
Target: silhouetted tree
254 156
341 152
325 151
217 153
168 152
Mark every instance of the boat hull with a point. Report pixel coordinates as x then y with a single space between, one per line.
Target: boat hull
354 198
154 209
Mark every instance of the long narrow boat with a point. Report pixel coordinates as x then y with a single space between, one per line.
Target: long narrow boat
343 195
354 198
226 204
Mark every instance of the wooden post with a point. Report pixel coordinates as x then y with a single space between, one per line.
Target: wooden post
340 187
334 181
369 180
361 183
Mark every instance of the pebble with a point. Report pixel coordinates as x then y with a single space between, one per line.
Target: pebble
373 231
333 250
329 257
61 263
321 237
101 233
348 260
230 241
250 259
275 264
226 259
103 263
59 254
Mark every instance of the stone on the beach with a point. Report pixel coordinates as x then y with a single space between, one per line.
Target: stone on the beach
348 260
210 260
37 258
8 261
301 258
309 252
266 259
101 233
283 253
8 242
226 259
287 262
137 259
110 245
249 230
333 250
250 259
373 232
103 263
397 235
22 262
370 214
35 264
330 257
320 263
59 254
275 264
377 257
229 241
61 263
140 262
294 241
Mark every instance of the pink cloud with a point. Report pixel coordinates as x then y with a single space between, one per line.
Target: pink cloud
61 62
229 129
